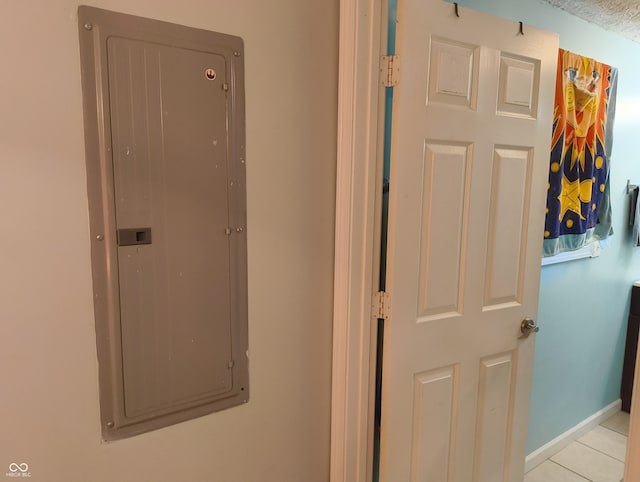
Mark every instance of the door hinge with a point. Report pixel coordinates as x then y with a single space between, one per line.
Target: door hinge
380 306
389 70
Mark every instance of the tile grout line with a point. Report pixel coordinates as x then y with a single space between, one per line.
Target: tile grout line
614 430
600 451
569 470
626 440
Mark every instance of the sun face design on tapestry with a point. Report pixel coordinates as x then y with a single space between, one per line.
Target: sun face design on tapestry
578 164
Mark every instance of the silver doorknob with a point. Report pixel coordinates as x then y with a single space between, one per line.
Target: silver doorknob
527 327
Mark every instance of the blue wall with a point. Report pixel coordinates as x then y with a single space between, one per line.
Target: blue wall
584 304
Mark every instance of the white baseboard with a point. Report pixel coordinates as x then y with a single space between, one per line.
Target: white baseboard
536 457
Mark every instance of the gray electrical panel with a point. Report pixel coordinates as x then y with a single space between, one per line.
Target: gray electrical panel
165 147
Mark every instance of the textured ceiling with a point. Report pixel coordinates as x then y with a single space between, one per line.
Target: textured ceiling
619 16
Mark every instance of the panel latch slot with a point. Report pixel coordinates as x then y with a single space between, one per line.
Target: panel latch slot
134 236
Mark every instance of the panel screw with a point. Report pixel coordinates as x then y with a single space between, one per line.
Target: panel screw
210 74
88 26
100 237
110 424
236 53
239 230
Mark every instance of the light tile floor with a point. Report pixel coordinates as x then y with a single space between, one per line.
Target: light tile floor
597 456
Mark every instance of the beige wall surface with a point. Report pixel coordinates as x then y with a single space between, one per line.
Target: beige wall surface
49 408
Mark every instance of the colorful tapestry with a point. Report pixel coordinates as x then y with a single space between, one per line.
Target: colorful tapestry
578 208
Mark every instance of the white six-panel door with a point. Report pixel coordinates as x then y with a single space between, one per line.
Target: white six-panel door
471 135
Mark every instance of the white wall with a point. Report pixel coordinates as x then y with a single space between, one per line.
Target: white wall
49 408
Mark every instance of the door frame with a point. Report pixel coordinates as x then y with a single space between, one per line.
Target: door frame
357 230
357 227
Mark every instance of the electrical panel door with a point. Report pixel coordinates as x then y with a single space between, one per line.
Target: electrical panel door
164 121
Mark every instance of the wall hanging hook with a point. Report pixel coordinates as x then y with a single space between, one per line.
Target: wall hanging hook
455 6
521 28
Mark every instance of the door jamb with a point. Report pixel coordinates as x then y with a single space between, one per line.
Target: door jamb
632 464
358 200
